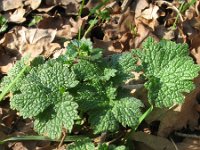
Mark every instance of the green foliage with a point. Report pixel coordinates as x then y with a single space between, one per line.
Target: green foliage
83 86
3 24
43 95
87 144
35 20
169 71
12 75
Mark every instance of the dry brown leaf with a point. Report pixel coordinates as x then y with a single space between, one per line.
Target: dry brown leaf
33 41
6 62
71 29
71 6
51 22
195 46
142 33
6 5
45 8
150 13
110 47
140 6
146 141
34 4
189 144
17 16
164 33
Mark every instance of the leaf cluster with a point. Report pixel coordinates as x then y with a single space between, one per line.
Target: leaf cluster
84 86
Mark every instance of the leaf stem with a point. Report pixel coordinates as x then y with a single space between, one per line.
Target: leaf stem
41 138
94 21
147 112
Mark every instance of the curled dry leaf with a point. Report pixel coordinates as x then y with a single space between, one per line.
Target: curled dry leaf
34 4
164 33
6 5
189 144
71 29
195 45
34 41
140 6
146 141
17 16
71 6
6 62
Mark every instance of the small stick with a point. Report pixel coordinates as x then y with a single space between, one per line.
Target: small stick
194 136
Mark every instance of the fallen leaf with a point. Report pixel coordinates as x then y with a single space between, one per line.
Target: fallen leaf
34 4
71 28
146 141
150 13
189 144
30 41
195 46
17 16
6 62
140 6
6 5
164 33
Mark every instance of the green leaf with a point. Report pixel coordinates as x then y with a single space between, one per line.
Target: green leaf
82 49
35 20
124 63
109 73
82 145
86 70
111 147
3 24
43 95
88 97
169 71
16 72
58 116
127 111
103 120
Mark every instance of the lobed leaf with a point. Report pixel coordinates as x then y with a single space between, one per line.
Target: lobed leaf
169 71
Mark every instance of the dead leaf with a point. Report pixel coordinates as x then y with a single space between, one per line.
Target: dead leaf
150 13
71 29
6 62
17 16
51 22
195 46
164 33
140 6
33 41
189 144
6 5
146 141
142 33
34 4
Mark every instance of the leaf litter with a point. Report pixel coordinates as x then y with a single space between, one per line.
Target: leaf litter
130 23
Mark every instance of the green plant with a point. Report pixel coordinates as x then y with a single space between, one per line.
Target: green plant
35 20
3 24
82 87
183 7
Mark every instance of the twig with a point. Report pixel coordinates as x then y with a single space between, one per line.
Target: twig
173 143
63 139
125 5
194 136
172 7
